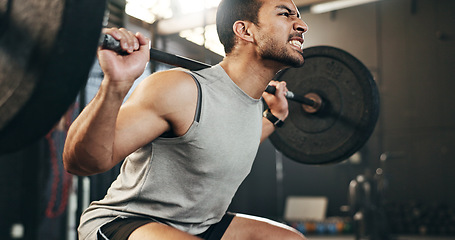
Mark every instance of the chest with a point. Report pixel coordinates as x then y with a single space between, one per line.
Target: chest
228 133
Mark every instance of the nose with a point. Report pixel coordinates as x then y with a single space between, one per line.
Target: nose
300 26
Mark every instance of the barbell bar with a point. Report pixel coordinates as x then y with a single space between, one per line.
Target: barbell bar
108 42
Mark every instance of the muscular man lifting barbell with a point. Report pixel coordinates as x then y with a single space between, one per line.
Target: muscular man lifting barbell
188 138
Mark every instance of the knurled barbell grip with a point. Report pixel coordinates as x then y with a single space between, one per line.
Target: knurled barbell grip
109 42
291 96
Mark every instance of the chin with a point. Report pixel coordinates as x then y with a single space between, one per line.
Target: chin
297 63
289 59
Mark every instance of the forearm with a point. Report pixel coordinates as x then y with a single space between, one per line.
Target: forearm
89 147
267 129
277 109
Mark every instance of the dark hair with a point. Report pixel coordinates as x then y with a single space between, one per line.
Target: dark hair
230 11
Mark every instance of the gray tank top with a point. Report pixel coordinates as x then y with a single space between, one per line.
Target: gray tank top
189 181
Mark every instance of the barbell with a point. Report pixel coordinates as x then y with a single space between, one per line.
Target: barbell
43 66
108 42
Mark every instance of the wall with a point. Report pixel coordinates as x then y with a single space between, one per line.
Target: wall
418 119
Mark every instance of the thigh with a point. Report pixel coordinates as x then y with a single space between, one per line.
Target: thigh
251 228
217 230
121 228
155 230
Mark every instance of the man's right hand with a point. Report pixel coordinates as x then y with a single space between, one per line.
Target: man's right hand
123 69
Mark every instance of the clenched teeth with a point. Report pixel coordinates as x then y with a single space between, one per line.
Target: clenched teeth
296 43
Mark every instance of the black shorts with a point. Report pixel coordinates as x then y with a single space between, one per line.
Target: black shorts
121 228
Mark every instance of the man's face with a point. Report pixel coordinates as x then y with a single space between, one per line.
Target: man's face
280 32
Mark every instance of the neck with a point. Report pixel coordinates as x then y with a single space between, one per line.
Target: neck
249 73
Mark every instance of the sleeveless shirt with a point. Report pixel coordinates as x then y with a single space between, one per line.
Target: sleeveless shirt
188 181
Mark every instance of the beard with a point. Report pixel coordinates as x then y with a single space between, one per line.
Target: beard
271 50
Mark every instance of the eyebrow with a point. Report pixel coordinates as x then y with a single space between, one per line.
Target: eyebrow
288 9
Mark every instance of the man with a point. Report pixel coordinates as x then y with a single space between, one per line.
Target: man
188 138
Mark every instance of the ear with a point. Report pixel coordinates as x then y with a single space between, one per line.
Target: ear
243 31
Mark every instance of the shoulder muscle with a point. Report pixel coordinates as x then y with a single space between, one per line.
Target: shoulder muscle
170 96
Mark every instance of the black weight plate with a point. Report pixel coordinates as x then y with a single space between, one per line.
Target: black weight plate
47 48
349 113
